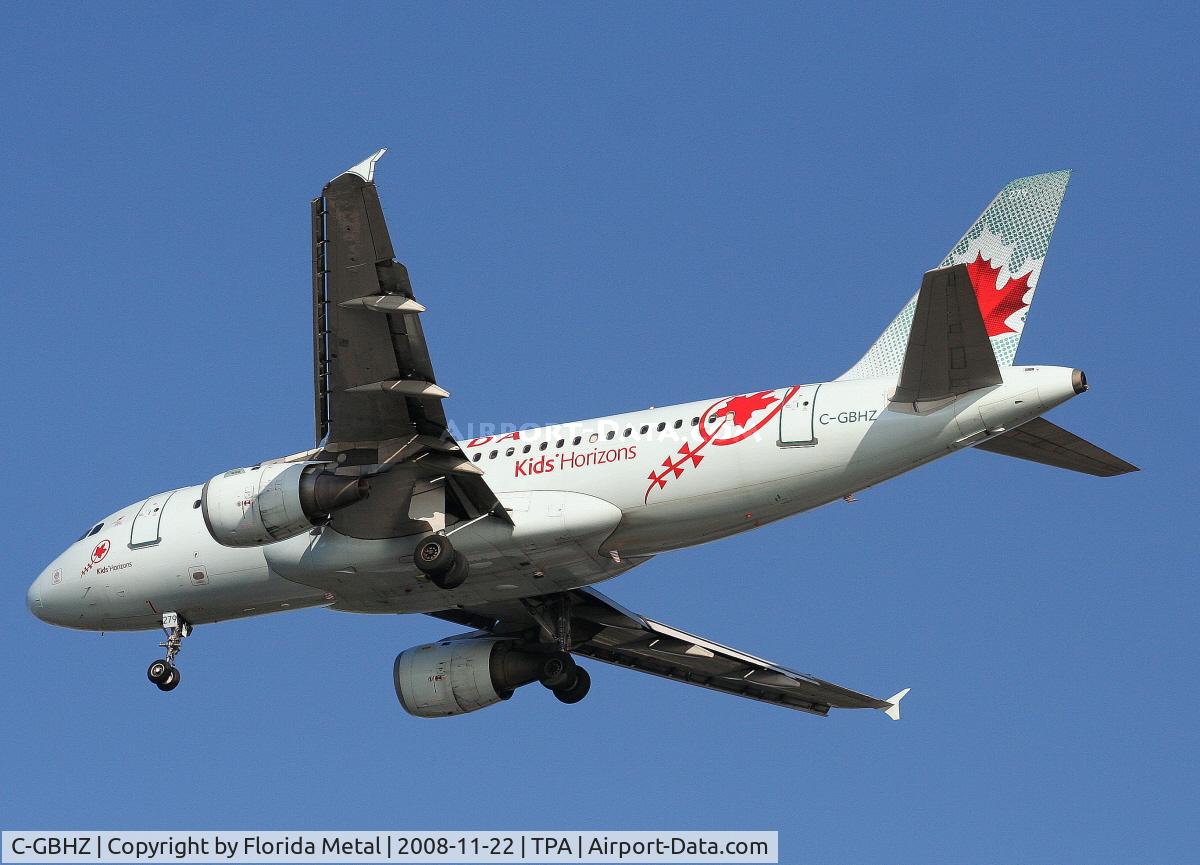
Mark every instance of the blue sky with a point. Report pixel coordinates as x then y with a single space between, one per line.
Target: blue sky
608 207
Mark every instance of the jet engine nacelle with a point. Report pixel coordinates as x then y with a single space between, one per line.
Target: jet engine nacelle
273 502
454 677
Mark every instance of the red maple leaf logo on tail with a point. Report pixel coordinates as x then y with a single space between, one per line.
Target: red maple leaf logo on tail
997 303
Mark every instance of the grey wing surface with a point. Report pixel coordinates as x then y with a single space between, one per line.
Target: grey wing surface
603 630
378 404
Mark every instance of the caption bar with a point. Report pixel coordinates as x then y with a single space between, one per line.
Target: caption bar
303 846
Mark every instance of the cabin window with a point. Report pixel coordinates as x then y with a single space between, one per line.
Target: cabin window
645 429
609 435
678 424
475 458
561 442
542 446
576 440
510 452
662 426
492 455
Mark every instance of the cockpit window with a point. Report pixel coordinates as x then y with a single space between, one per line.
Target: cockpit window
92 531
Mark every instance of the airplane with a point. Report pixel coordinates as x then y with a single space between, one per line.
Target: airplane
508 534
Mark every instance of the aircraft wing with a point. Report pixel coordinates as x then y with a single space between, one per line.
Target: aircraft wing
603 630
378 403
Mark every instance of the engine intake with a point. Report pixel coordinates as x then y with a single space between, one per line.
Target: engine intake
453 677
260 505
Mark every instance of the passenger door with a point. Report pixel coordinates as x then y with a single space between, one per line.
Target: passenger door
796 419
144 532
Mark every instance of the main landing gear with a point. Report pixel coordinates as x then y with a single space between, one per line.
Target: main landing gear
163 673
437 559
568 681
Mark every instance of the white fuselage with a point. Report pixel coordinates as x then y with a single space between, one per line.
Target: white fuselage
587 500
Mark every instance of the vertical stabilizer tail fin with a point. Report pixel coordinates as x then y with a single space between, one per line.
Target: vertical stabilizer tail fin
1003 250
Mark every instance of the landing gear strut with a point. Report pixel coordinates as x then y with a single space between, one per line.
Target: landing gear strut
568 681
163 673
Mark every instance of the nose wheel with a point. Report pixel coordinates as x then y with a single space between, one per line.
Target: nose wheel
163 673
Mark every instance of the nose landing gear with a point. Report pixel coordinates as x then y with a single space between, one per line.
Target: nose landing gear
163 673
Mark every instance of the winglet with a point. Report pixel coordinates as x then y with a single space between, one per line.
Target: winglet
893 711
366 168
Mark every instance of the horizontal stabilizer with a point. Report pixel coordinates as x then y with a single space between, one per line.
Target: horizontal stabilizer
949 352
1043 442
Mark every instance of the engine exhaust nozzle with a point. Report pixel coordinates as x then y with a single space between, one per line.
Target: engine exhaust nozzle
323 492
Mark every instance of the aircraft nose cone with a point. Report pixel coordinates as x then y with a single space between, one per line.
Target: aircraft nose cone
33 598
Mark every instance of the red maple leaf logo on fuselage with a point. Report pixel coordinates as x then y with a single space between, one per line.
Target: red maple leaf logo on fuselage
997 303
744 407
729 415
